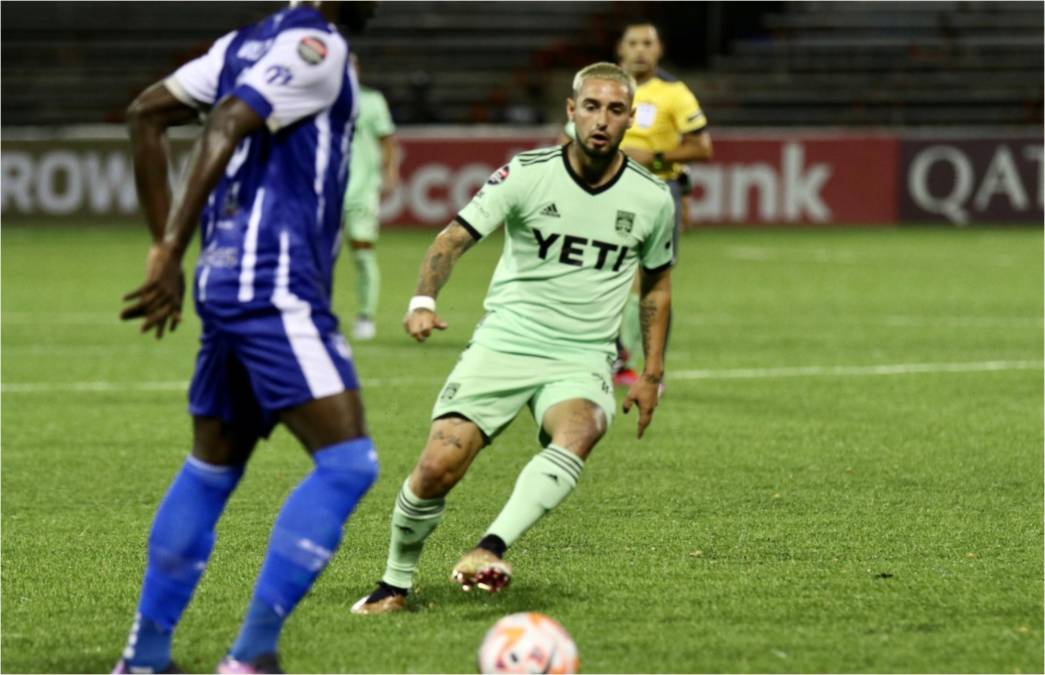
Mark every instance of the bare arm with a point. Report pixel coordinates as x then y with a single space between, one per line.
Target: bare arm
449 245
654 312
148 118
159 298
227 125
390 158
695 147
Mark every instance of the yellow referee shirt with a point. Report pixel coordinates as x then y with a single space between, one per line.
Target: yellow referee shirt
665 109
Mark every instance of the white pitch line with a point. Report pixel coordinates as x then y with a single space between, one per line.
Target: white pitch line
724 374
853 371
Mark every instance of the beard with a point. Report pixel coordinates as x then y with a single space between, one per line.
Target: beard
609 150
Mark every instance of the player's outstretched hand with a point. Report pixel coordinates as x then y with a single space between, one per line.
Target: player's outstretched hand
420 323
644 393
158 300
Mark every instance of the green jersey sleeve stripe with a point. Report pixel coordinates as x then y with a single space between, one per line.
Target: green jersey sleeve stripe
635 166
545 151
468 226
535 159
656 181
540 160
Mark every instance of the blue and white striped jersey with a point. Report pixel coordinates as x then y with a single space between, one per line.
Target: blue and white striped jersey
271 226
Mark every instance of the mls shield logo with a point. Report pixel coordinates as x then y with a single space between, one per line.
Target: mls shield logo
625 221
449 391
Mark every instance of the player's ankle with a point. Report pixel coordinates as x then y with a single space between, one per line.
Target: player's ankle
493 544
394 590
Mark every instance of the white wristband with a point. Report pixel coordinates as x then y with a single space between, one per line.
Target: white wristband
421 302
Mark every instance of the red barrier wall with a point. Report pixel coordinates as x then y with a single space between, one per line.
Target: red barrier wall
963 181
767 177
789 178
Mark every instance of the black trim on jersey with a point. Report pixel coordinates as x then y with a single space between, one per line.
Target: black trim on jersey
587 188
532 154
655 270
468 226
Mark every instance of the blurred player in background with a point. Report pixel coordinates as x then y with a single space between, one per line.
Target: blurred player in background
264 186
580 219
669 130
374 170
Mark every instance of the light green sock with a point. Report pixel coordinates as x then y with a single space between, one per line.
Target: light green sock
413 519
368 281
631 331
542 485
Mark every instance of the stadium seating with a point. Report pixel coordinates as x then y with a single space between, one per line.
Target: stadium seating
809 63
908 63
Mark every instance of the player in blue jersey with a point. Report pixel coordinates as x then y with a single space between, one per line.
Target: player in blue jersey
264 188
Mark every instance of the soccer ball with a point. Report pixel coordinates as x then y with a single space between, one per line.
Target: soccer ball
528 642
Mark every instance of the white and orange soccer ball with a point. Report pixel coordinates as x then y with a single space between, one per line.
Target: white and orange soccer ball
528 642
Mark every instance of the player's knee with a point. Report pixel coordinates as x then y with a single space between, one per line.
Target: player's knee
582 432
217 454
587 436
218 443
135 112
597 424
433 477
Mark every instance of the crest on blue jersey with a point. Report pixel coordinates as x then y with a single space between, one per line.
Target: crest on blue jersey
498 176
312 50
625 221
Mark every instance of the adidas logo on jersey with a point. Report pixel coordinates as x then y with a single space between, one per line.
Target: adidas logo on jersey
551 210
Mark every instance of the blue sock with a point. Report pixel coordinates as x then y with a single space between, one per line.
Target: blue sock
180 543
305 536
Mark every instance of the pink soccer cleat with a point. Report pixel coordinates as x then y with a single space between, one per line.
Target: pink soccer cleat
266 663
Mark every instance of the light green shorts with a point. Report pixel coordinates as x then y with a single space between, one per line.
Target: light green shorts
361 223
490 387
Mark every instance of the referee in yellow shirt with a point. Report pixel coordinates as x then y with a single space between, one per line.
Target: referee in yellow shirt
669 130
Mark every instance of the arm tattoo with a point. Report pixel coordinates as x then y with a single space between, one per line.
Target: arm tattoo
448 439
647 310
434 274
440 259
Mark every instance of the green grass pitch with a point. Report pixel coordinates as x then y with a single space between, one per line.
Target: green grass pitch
791 509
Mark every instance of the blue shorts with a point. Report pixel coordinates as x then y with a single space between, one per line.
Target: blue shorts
250 368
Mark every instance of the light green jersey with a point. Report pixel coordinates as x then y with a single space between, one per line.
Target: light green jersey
570 252
373 123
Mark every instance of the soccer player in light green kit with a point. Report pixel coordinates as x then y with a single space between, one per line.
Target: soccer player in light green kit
374 169
579 220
